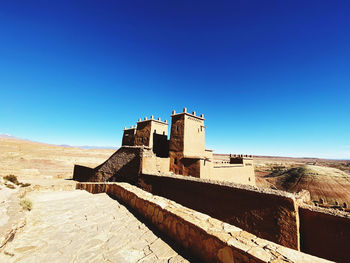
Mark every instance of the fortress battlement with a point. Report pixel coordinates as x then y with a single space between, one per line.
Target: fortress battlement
174 114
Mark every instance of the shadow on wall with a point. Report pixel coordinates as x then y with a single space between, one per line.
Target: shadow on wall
160 145
123 165
266 215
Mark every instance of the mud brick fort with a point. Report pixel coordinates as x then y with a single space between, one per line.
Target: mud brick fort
184 153
212 208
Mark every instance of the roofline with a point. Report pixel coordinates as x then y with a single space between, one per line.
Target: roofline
162 122
186 113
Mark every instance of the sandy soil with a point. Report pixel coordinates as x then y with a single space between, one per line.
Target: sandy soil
27 159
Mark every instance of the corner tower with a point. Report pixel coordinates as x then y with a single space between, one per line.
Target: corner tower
187 143
154 134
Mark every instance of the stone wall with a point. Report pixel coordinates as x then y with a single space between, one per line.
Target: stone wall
325 233
83 173
151 164
269 214
123 165
235 173
207 238
143 133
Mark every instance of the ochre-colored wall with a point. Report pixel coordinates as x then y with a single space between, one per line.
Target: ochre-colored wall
206 168
159 127
235 173
152 164
194 136
266 213
324 234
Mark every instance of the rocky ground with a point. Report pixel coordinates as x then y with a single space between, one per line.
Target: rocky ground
75 226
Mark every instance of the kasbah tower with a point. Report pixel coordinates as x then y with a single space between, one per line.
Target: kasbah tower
184 153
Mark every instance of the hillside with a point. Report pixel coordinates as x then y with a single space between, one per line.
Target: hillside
325 184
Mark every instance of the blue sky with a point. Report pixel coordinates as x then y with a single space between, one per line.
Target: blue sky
271 77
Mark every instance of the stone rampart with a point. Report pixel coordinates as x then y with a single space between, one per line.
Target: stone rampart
207 238
269 214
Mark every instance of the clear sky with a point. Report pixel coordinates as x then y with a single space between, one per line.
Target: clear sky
271 77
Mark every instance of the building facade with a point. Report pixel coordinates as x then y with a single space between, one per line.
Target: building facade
184 153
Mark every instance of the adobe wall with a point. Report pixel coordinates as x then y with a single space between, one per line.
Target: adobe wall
184 166
83 173
176 143
269 214
123 165
194 139
154 165
324 233
235 173
207 238
143 133
128 137
160 145
206 168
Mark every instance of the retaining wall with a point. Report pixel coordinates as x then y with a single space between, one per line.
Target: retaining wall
205 237
269 214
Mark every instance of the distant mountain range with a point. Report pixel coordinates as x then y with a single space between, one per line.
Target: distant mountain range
89 146
9 136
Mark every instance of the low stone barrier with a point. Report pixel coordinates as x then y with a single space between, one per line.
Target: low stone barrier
207 238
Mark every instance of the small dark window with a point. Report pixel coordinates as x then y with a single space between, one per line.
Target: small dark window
163 132
249 179
175 160
155 131
177 128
